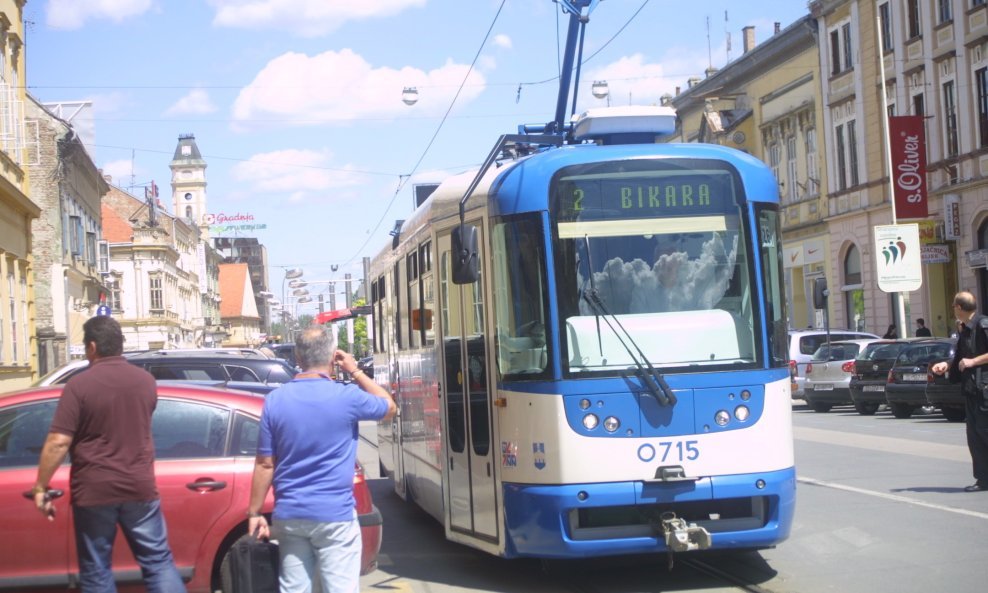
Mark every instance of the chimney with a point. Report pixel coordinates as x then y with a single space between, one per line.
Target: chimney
749 38
778 27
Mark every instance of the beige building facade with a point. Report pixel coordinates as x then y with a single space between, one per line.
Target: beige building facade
18 344
935 59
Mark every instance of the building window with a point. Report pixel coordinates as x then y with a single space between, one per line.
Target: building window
885 14
91 248
978 3
846 34
841 157
104 258
75 235
812 175
157 294
791 175
12 292
912 14
113 298
853 292
950 118
981 86
919 105
852 152
945 12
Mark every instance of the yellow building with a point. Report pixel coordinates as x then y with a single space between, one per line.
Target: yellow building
767 102
936 66
18 347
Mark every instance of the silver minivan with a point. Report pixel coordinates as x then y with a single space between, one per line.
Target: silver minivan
803 343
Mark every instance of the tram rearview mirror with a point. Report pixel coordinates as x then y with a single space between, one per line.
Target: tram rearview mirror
464 245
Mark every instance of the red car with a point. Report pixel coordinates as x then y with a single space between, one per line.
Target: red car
205 443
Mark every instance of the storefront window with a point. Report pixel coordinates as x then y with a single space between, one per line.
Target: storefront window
853 291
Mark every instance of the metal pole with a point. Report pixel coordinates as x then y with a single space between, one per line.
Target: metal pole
903 330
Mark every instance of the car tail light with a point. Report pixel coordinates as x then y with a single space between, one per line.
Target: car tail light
792 368
848 367
809 368
891 377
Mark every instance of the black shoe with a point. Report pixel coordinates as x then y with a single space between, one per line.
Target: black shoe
976 487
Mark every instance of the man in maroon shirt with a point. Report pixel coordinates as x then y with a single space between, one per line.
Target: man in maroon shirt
104 420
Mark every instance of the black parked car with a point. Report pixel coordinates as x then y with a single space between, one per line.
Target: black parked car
944 395
905 390
201 365
871 370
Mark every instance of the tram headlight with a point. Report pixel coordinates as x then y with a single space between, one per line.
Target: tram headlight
590 421
745 395
584 404
611 424
742 413
722 417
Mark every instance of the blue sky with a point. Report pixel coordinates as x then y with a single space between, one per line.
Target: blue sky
296 104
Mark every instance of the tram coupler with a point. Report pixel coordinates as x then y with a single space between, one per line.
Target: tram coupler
682 536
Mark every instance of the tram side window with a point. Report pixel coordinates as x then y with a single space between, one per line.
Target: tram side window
414 309
773 285
426 295
379 295
397 292
519 297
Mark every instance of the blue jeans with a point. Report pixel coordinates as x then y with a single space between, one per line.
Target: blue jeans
331 548
144 527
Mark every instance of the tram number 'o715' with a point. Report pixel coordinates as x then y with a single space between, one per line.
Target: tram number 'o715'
670 451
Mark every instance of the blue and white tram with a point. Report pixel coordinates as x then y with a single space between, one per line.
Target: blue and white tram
614 381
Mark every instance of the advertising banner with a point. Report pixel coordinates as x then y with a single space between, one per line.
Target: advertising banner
908 147
898 259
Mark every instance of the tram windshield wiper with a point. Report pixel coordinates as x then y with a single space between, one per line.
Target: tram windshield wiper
650 377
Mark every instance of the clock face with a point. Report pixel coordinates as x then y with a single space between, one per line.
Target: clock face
188 197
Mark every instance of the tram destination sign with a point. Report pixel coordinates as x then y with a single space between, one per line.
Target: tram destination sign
645 195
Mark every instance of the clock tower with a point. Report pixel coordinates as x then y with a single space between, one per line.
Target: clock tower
189 182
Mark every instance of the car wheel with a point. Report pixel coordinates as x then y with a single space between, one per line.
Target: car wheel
226 573
901 411
954 414
822 408
866 409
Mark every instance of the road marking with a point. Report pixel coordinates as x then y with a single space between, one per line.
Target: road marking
893 497
886 444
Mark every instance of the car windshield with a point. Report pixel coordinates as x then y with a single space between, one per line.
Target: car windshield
835 352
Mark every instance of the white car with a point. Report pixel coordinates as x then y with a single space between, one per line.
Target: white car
828 374
803 343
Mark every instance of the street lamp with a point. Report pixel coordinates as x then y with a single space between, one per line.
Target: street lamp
293 275
600 90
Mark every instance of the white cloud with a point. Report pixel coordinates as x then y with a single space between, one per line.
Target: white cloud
122 171
336 87
197 102
73 14
299 173
308 18
502 41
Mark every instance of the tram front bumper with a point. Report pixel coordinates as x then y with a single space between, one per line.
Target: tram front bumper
583 520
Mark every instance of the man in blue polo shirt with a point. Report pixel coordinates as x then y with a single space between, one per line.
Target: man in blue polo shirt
306 448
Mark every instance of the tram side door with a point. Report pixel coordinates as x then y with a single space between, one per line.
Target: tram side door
394 377
471 497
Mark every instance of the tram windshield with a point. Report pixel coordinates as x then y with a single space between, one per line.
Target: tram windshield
664 247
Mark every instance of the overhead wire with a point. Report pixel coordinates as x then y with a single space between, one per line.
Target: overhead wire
403 180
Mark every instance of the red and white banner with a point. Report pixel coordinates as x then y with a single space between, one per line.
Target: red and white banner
908 146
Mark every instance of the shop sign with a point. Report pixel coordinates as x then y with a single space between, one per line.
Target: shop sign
935 254
897 253
977 258
952 217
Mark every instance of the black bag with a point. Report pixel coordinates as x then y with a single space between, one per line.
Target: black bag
253 566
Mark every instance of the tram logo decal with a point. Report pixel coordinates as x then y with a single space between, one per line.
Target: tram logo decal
538 450
509 454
